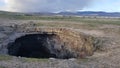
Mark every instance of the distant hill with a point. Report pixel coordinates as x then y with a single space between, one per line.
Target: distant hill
82 13
91 13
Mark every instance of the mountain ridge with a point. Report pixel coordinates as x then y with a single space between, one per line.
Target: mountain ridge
66 13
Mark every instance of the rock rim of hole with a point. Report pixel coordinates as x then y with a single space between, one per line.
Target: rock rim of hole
78 44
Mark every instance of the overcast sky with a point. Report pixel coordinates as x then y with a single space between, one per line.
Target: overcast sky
59 5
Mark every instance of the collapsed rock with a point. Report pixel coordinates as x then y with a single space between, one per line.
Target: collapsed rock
51 42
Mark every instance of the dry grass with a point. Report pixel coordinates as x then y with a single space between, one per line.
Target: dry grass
93 26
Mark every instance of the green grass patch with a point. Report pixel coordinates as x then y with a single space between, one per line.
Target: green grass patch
5 57
86 20
74 19
34 60
2 67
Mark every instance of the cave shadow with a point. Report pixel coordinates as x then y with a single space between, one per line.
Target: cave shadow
31 46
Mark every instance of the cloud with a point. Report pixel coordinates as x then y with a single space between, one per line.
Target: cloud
45 5
2 2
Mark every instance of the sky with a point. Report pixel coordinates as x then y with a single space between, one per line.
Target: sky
59 5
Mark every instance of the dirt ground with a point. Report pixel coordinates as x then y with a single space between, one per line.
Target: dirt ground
107 57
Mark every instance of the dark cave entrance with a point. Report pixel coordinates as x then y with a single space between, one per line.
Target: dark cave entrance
33 46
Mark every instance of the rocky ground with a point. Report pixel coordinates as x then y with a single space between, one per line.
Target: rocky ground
107 56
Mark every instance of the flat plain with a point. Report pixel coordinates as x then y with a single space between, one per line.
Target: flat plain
106 29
